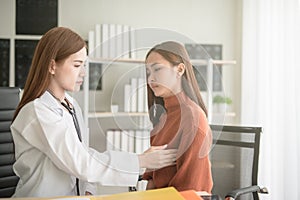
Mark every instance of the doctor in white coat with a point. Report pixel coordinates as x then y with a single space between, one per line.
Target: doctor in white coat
49 134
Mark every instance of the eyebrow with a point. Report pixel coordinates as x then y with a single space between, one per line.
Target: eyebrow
151 65
81 61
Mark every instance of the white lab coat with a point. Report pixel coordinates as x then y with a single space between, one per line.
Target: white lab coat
49 154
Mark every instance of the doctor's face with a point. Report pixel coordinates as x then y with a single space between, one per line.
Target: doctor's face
162 76
69 73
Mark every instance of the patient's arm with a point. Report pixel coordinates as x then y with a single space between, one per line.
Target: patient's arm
150 185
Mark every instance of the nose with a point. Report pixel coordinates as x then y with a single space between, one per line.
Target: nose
150 78
82 70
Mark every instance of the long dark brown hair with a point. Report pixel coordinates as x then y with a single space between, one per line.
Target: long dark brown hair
175 53
57 44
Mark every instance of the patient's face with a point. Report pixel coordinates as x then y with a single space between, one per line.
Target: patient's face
162 76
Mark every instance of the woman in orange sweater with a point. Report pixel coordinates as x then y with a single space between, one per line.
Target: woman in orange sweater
179 119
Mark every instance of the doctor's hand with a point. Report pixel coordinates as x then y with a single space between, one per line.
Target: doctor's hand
87 193
157 157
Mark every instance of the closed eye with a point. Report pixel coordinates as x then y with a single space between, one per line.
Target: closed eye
78 63
157 69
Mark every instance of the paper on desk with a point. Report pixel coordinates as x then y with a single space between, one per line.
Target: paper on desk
72 198
202 193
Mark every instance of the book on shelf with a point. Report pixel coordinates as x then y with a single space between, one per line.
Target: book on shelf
141 95
117 140
139 141
131 138
127 90
133 95
146 140
124 140
91 44
125 41
146 99
134 141
110 140
119 41
112 41
105 40
132 43
97 41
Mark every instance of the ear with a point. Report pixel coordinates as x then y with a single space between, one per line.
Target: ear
181 69
52 67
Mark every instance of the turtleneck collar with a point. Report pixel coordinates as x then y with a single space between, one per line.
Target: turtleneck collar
172 102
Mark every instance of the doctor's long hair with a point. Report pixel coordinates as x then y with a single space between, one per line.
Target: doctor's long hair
57 44
175 53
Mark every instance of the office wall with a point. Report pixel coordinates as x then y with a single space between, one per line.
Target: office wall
206 22
210 22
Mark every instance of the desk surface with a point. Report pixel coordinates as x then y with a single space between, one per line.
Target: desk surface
164 193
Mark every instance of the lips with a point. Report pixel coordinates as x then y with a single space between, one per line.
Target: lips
79 82
153 85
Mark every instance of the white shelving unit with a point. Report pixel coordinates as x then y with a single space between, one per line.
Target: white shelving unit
105 114
117 114
12 39
210 63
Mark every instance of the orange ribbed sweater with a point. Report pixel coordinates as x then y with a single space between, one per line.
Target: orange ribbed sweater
184 126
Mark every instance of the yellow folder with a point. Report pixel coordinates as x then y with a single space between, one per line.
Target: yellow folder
159 194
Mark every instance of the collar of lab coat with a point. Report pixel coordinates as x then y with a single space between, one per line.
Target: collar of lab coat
53 104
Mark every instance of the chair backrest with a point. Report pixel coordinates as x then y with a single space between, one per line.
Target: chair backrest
234 158
9 99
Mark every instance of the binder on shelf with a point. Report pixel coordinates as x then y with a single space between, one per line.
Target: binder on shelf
133 95
91 42
146 99
124 141
97 40
132 43
139 142
134 141
117 140
127 90
140 122
126 41
146 140
131 138
146 123
110 140
105 40
112 41
119 40
141 95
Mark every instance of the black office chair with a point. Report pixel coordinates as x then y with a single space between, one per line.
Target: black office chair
9 99
234 158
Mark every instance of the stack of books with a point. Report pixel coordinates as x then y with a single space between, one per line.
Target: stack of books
112 41
135 96
134 141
